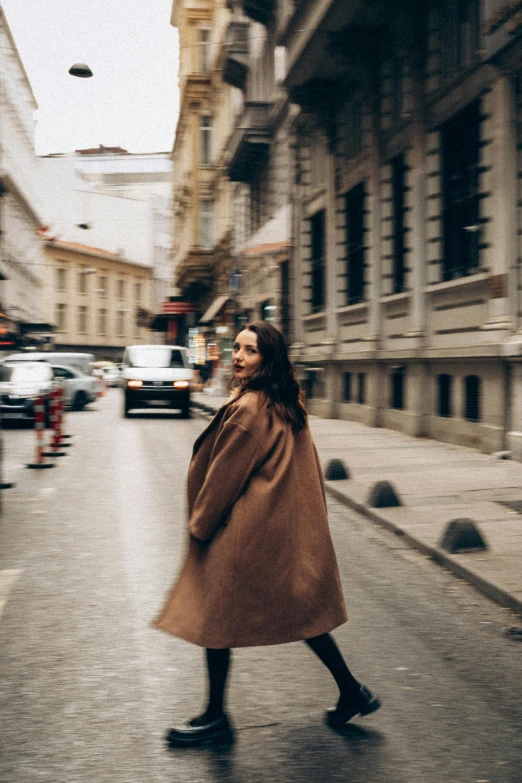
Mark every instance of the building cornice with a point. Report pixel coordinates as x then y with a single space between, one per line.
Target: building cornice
93 252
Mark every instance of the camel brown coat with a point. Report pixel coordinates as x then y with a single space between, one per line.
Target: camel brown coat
264 569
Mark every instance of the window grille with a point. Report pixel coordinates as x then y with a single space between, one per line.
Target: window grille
398 169
460 148
317 251
444 407
472 393
347 378
356 251
398 388
361 388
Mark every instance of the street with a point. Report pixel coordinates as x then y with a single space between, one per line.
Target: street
88 688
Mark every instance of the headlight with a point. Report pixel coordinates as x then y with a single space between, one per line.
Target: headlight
134 384
181 384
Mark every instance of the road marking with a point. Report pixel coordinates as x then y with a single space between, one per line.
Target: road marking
8 579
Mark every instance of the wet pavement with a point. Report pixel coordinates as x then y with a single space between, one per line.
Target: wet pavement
88 688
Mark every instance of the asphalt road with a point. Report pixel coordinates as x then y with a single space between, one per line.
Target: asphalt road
88 688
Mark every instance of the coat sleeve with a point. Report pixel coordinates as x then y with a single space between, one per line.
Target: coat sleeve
235 456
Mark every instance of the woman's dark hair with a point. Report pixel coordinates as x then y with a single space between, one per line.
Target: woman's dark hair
276 376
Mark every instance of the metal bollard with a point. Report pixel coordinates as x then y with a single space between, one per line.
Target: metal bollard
39 429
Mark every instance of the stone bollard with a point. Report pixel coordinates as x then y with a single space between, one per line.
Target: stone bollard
383 495
462 535
336 470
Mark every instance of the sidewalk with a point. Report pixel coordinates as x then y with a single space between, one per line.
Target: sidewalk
436 483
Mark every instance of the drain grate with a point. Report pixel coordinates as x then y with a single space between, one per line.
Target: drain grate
514 505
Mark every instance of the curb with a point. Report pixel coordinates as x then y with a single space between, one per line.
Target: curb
436 554
202 407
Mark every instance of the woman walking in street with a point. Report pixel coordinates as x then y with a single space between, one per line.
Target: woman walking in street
260 567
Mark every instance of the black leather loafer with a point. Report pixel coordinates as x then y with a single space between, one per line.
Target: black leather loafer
217 731
363 703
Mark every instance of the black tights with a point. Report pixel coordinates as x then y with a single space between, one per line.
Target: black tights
218 664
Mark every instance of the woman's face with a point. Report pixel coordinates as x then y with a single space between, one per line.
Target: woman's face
245 355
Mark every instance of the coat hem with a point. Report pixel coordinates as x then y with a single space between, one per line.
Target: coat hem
201 641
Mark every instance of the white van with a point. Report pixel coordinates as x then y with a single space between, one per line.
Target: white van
156 376
80 361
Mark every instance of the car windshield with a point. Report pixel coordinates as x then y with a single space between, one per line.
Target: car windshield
25 373
157 356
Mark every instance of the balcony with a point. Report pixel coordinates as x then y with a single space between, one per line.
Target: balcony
194 88
235 61
259 10
194 274
333 41
250 141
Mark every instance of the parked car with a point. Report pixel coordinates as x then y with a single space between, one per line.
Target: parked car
21 383
79 389
156 376
110 374
81 361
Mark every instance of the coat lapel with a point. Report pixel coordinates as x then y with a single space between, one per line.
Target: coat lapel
210 426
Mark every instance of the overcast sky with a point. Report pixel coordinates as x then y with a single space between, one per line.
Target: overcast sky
132 99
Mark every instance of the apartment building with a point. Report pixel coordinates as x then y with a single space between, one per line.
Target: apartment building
202 196
406 212
21 254
259 158
94 298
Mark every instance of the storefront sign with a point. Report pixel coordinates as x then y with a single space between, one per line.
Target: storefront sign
176 308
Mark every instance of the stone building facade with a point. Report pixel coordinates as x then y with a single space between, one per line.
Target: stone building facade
21 255
202 193
260 166
406 213
93 298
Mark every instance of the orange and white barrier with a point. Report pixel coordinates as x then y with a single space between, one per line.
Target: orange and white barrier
56 441
39 430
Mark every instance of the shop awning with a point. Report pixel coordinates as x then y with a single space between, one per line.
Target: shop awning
214 308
